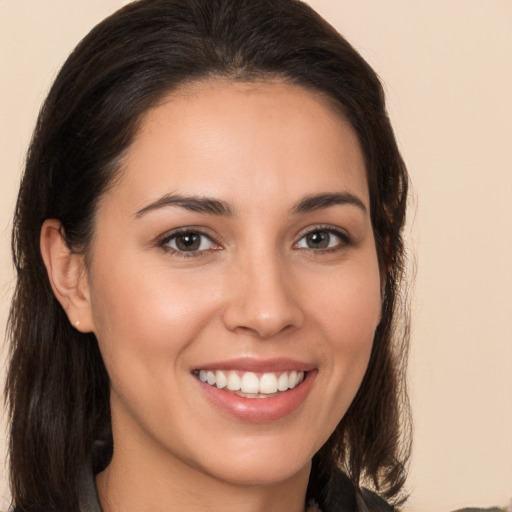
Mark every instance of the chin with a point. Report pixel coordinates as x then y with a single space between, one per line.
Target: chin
268 472
261 464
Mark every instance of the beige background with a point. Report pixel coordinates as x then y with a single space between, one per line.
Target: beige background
447 68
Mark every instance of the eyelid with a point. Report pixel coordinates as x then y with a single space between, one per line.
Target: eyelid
324 227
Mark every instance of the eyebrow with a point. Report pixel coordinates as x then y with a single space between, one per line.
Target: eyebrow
192 203
320 201
218 207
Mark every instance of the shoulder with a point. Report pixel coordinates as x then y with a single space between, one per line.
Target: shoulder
368 501
336 493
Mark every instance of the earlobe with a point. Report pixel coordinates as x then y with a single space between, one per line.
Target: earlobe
67 275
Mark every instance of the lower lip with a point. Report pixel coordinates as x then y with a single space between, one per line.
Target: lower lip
259 409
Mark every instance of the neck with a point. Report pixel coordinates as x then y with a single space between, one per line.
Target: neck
145 481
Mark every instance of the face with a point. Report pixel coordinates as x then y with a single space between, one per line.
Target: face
234 283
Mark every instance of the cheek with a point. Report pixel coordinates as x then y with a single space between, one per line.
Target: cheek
146 322
348 304
348 311
146 314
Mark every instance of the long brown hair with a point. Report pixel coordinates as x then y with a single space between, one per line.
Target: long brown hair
57 384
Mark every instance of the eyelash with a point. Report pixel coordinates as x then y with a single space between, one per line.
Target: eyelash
345 240
163 243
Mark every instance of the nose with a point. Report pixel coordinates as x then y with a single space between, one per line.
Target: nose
262 299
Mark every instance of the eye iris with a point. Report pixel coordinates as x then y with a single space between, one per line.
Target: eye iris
318 240
188 242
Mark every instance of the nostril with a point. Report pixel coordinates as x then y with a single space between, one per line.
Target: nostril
262 322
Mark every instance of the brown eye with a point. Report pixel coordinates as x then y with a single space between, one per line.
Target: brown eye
321 239
318 240
189 241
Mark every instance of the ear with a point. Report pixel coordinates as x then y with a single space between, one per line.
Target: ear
67 274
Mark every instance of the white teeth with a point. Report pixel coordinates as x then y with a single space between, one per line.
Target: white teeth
233 382
268 383
292 380
221 379
282 382
249 383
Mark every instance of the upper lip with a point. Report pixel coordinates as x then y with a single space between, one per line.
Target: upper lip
251 364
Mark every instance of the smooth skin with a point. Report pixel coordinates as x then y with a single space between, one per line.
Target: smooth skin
259 270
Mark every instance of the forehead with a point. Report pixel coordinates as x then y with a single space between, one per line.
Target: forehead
239 140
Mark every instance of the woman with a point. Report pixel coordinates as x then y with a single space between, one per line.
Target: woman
209 256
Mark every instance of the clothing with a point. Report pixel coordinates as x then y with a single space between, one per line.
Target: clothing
88 496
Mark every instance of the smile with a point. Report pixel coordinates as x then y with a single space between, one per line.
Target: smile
234 385
251 384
